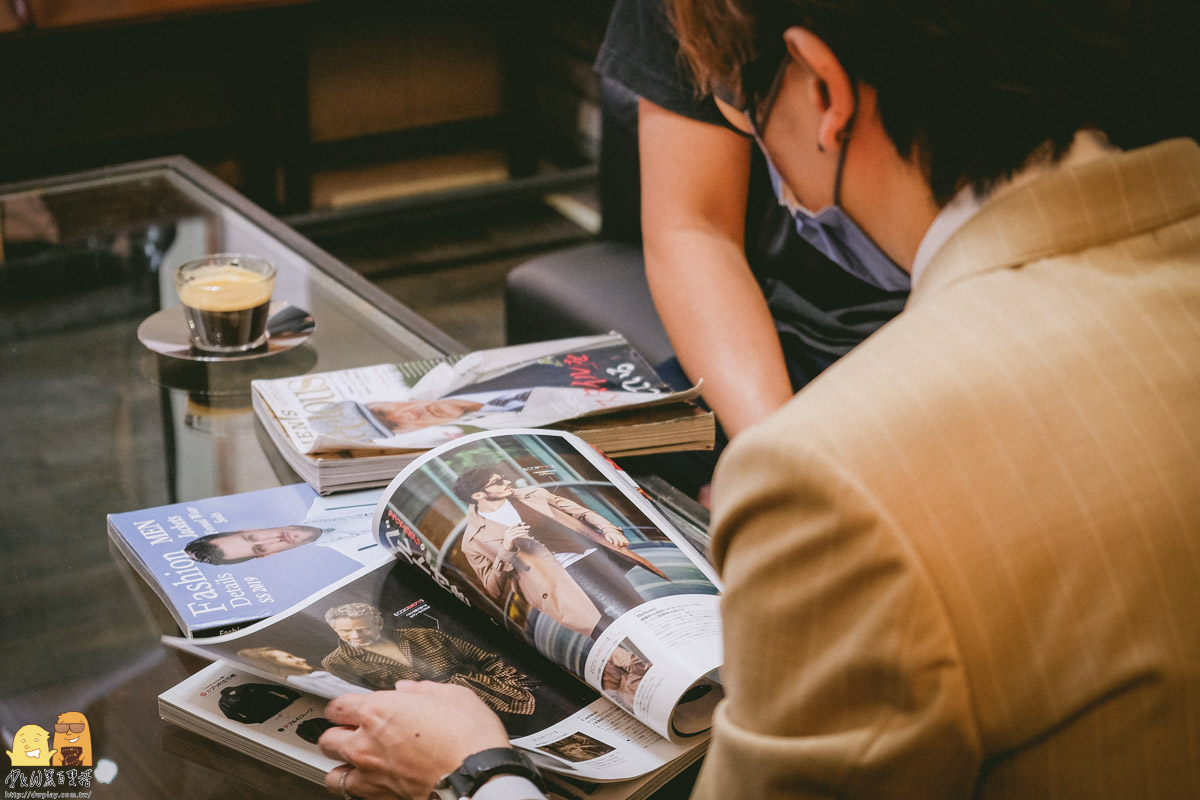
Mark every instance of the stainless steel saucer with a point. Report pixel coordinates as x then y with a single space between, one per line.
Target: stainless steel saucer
166 333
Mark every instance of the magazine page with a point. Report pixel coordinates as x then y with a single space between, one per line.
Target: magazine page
223 562
277 724
423 404
390 623
270 720
554 542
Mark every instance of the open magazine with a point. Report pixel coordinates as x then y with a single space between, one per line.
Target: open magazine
358 427
531 570
287 737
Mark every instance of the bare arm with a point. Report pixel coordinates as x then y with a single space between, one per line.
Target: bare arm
694 183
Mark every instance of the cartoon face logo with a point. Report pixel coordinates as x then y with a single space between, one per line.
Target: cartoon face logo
72 740
31 747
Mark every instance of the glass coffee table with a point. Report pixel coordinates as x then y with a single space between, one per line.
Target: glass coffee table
102 412
92 421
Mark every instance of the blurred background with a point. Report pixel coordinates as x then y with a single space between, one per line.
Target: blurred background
411 139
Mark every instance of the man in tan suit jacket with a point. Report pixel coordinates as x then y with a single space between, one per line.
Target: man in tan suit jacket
964 562
563 558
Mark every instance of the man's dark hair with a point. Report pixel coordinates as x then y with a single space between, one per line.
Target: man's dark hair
472 481
972 90
206 551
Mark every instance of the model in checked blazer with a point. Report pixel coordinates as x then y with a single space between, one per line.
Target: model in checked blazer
370 654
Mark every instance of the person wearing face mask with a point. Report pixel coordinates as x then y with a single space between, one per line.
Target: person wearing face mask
831 231
752 306
961 563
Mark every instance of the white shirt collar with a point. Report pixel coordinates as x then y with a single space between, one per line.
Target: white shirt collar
964 206
1087 145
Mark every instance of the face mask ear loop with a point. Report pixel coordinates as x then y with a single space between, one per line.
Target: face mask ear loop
845 137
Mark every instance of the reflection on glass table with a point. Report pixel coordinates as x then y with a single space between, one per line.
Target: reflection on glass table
94 422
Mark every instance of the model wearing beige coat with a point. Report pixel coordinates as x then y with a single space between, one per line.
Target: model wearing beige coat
541 579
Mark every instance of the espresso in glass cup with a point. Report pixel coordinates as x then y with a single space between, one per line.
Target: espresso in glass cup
226 297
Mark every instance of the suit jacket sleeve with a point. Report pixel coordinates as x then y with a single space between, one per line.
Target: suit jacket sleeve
336 664
842 676
593 520
492 571
596 525
485 662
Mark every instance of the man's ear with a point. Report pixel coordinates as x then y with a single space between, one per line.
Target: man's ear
829 88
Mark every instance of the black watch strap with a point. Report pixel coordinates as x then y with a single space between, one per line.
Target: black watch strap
477 769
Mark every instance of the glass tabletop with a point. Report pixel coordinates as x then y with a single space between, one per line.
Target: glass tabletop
94 422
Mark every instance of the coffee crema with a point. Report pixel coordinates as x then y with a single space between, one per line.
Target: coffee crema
225 288
226 306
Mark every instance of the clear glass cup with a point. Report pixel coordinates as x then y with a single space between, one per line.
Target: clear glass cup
226 297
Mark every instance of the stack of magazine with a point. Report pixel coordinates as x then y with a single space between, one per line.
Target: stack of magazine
522 564
357 428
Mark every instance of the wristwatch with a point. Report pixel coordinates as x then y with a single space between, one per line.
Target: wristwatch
477 769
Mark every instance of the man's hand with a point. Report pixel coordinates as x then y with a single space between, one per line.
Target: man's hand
518 531
400 743
615 537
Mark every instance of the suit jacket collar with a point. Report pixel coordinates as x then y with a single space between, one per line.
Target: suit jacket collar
1070 209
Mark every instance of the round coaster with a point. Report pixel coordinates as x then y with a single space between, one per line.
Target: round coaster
166 333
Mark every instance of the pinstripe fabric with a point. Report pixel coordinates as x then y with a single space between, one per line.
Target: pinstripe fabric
435 656
965 561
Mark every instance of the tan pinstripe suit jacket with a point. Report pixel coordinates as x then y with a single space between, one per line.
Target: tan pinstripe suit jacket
965 562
